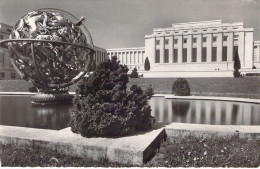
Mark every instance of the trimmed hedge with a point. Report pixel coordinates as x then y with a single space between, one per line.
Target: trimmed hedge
181 87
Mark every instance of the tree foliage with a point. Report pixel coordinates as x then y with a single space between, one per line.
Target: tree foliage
103 107
146 64
134 73
237 65
181 87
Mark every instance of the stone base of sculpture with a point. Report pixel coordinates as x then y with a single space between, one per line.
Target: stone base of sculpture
43 99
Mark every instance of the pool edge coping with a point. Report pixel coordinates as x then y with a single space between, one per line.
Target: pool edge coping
169 96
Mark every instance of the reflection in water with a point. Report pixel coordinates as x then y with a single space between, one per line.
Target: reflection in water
18 111
205 112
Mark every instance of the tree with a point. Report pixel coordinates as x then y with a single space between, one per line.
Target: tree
237 65
134 73
103 107
146 64
94 66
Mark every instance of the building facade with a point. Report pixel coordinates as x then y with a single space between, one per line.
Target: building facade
197 49
7 72
132 57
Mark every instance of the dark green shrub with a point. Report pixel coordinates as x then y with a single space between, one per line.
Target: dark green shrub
181 87
94 66
237 65
33 89
236 74
103 107
134 73
146 64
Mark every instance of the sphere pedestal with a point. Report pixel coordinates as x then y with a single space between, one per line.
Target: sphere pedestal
43 99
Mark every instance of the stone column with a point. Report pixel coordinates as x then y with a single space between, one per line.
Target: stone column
189 48
209 48
219 47
199 48
230 44
171 49
180 44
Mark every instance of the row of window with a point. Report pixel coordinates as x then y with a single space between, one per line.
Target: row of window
194 40
203 30
115 53
2 75
194 55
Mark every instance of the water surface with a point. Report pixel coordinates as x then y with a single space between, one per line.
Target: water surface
18 111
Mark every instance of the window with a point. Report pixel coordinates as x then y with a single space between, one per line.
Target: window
166 56
235 50
204 30
255 47
157 42
12 75
2 74
185 31
185 40
184 55
224 28
194 54
225 38
204 54
176 32
214 54
175 55
175 41
214 29
224 53
195 30
1 36
166 41
214 39
194 40
157 56
204 39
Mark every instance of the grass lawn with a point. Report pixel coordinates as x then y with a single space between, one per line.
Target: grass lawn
188 151
247 87
228 87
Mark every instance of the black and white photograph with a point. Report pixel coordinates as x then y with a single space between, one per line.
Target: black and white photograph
130 83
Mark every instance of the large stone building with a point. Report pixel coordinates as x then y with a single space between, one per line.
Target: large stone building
7 72
197 49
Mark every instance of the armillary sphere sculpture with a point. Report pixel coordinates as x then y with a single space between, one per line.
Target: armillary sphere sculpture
52 49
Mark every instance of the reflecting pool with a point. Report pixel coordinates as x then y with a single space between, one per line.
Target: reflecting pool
18 111
205 111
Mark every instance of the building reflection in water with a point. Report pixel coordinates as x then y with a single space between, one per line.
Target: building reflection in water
205 112
18 111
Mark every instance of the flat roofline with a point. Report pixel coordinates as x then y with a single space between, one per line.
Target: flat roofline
134 48
198 22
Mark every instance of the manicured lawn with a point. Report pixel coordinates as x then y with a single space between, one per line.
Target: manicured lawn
232 87
188 151
228 87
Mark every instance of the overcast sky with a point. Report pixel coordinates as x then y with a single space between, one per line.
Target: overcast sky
124 23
